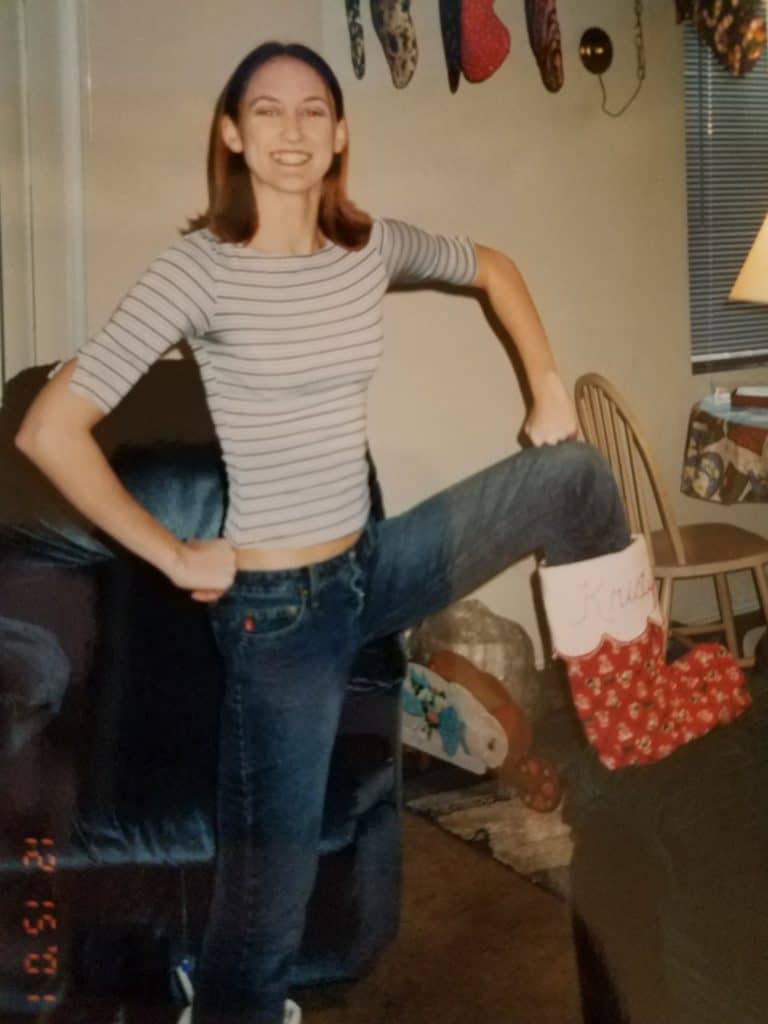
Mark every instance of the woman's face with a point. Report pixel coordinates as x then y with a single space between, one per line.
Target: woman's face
287 129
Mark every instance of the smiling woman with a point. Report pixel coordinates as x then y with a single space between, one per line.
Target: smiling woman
281 133
289 140
279 287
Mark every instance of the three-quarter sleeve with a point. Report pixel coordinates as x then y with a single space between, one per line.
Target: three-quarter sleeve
174 298
412 255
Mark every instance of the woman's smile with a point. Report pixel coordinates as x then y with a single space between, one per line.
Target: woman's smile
291 157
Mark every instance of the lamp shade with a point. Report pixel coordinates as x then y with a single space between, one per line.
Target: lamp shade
752 283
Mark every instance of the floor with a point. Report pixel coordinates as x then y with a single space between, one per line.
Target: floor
478 944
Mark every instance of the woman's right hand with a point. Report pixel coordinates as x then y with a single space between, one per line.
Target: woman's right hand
205 567
56 434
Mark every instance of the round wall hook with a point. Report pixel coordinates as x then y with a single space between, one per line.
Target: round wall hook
596 50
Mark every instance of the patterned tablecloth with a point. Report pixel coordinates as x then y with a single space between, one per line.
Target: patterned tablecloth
726 453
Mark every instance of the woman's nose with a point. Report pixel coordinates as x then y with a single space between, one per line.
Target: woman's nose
291 125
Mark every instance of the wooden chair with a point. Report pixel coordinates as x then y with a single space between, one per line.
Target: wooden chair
678 552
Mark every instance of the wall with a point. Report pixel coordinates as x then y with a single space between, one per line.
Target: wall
591 208
156 70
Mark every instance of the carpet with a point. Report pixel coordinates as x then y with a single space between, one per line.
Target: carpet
490 816
477 945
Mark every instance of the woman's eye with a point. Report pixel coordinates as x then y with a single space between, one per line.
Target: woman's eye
315 111
265 111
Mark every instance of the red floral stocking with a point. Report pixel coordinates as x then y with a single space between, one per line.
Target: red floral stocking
634 708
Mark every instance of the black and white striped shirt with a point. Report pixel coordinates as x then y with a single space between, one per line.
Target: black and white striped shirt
286 347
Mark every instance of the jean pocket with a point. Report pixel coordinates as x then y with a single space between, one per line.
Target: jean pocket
249 618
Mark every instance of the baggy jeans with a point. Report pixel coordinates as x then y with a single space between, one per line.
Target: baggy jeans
288 639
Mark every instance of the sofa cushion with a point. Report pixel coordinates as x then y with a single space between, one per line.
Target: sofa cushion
34 674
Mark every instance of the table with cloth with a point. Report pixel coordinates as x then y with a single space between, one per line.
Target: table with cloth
726 453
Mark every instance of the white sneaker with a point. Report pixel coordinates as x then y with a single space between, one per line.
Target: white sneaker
291 1015
185 983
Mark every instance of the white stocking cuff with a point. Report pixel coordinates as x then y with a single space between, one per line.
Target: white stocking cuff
608 596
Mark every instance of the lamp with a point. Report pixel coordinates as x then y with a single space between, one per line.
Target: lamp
752 283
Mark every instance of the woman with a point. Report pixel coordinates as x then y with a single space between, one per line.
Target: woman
279 288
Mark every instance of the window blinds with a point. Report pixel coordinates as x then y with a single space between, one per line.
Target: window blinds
727 177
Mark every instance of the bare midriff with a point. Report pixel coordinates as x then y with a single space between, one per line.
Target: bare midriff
293 558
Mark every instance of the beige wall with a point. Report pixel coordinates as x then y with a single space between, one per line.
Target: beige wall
591 208
156 70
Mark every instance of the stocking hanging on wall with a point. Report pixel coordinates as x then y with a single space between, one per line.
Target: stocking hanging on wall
544 37
734 30
450 27
484 40
356 39
394 27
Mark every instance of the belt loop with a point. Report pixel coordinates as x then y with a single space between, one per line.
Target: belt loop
366 541
312 584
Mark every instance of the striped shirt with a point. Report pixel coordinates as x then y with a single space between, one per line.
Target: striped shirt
286 347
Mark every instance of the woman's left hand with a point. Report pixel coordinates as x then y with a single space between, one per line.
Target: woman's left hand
553 416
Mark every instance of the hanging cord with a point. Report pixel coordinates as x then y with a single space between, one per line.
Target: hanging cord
640 47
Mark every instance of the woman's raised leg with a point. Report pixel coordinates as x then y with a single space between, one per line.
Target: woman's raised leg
560 501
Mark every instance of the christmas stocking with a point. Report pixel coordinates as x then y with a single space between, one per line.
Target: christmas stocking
734 30
394 27
356 40
484 40
450 27
544 36
607 627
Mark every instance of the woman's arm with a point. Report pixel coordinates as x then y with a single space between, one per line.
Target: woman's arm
553 417
56 436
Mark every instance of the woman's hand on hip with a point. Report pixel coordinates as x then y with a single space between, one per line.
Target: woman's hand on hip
553 416
205 567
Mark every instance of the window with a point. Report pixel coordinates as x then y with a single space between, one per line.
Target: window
727 176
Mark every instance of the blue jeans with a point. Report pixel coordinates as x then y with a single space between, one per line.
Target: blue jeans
288 639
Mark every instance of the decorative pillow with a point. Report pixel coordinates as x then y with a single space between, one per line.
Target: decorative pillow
491 642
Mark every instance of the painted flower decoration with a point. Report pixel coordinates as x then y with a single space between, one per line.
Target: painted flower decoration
426 701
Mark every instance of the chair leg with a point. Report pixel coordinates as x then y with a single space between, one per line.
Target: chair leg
760 574
726 614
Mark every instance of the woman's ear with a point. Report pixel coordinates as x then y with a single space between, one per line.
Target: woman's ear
341 136
230 134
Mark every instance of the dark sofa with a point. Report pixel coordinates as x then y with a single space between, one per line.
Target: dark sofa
109 696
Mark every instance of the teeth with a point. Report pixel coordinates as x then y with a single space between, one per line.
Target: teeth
292 159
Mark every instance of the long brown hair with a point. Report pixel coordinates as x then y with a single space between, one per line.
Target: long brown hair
232 215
